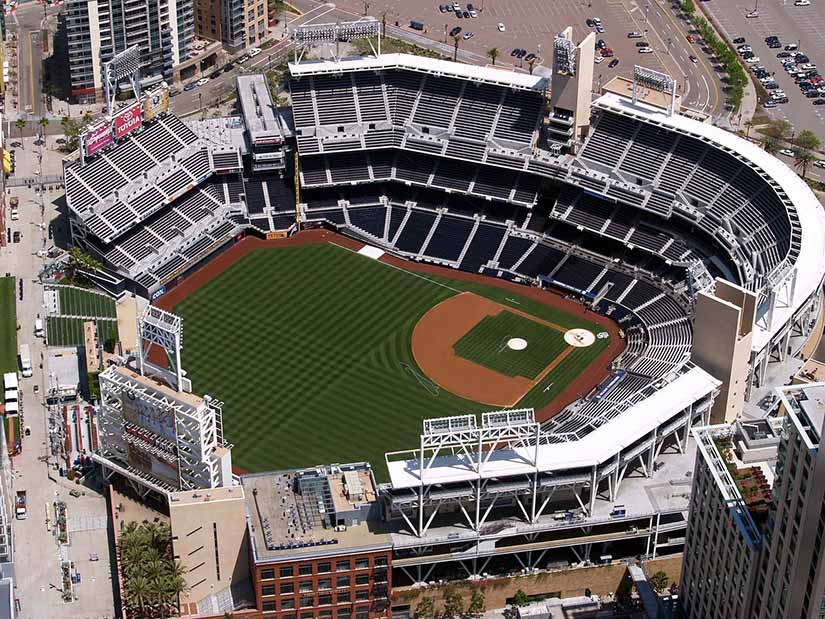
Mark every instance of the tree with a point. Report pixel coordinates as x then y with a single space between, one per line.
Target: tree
770 144
81 261
20 124
688 8
455 50
511 612
748 127
493 53
43 122
521 598
778 129
453 604
802 159
659 581
807 140
425 609
477 604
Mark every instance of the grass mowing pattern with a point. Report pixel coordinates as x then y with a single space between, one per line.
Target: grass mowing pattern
309 348
8 325
486 344
76 302
62 331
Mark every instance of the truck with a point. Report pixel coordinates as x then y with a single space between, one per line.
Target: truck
25 361
20 505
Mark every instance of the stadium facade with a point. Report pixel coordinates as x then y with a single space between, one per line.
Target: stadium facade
636 210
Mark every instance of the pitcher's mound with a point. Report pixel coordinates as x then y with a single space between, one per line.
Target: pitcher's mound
517 343
580 338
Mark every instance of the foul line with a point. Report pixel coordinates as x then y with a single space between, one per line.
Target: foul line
430 386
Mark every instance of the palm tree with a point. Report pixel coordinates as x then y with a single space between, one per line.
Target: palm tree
43 122
138 593
455 50
20 124
803 158
531 63
493 54
748 127
770 144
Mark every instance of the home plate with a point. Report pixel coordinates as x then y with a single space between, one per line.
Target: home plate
580 338
517 343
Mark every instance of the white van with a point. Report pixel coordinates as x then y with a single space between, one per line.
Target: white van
38 328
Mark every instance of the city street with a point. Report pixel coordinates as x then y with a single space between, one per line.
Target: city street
37 554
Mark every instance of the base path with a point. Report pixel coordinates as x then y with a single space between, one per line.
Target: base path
432 345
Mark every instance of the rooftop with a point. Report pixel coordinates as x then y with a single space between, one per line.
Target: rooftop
155 387
812 371
805 406
313 512
488 75
211 495
259 113
624 87
63 366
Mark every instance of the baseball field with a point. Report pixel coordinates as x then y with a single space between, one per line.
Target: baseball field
324 355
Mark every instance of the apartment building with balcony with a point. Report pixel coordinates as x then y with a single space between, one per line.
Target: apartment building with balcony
234 23
163 30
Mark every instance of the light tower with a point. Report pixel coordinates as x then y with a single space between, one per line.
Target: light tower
330 35
157 327
124 65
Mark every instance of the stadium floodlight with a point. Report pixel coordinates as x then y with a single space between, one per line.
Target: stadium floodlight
123 65
564 56
654 80
309 35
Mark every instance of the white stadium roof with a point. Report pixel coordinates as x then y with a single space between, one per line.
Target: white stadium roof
595 448
489 75
811 260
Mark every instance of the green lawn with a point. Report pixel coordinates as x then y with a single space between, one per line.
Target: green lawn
8 325
76 302
62 331
486 344
309 348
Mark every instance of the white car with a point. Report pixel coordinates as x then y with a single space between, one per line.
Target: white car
787 152
645 50
202 81
501 27
802 3
819 163
753 14
598 59
14 214
473 13
254 52
753 60
456 6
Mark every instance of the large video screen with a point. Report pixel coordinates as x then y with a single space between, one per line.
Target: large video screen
144 414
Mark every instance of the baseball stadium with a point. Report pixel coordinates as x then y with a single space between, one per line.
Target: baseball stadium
541 290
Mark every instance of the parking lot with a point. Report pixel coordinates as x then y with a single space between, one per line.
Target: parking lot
804 26
532 24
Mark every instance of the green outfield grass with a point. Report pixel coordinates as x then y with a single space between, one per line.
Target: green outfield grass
8 325
309 348
486 344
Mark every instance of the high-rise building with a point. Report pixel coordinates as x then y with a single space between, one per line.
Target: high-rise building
235 23
754 540
162 29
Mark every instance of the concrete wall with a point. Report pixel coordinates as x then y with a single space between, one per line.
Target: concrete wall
722 334
209 538
573 92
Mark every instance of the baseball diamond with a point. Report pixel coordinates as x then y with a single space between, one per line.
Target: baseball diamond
340 357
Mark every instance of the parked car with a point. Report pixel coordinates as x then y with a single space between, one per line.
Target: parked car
819 163
600 44
598 59
613 63
455 31
473 13
529 57
191 86
254 52
782 55
802 3
589 22
634 35
202 81
501 27
645 50
468 35
515 52
738 40
642 44
693 59
786 151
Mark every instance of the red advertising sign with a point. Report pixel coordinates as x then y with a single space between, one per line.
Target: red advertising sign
128 120
96 138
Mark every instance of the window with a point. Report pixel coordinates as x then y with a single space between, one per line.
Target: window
362 579
286 572
325 583
324 568
287 587
362 612
306 601
379 561
342 582
343 613
306 615
343 596
305 586
362 596
324 600
288 616
380 575
362 564
267 574
342 566
268 590
287 604
305 570
268 606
